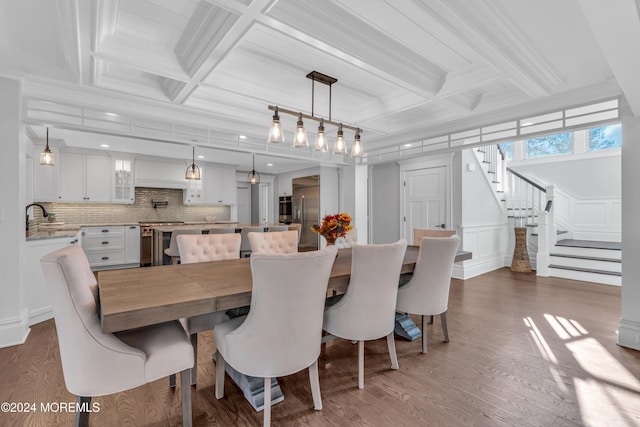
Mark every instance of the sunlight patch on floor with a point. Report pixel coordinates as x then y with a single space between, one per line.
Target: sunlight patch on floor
609 394
541 343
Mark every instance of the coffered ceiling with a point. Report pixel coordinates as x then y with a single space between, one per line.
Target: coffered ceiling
406 69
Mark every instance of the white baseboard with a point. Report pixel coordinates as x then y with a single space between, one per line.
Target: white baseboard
40 315
14 331
629 334
470 268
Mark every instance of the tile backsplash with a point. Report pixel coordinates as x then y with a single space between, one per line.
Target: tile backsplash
141 210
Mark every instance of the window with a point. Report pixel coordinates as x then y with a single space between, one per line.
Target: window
605 137
507 150
549 145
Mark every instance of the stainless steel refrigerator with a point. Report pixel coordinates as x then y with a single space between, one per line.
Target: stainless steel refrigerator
306 210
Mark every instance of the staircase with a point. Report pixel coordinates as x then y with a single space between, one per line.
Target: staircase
587 260
556 254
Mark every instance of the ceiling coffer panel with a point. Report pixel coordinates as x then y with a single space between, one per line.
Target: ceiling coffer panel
210 26
377 53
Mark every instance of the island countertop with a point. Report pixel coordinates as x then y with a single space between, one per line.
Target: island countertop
209 226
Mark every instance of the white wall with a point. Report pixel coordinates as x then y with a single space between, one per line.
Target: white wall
354 198
629 330
13 312
595 175
478 201
483 227
329 190
384 217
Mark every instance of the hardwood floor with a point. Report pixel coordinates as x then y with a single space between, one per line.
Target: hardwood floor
523 351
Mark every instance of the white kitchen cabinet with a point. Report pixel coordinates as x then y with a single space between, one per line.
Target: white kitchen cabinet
285 185
160 174
220 185
106 247
37 295
45 177
122 186
132 244
84 178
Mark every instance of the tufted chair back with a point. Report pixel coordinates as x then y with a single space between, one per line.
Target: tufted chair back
208 247
279 242
172 250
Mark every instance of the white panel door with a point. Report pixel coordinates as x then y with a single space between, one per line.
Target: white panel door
425 199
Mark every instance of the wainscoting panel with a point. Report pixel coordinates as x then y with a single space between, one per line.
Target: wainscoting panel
487 244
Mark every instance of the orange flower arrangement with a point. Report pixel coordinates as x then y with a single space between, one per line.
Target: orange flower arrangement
333 226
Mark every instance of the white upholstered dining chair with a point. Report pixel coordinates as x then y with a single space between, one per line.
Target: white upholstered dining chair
296 227
208 247
427 292
367 310
172 251
281 334
278 242
95 363
245 244
419 233
203 248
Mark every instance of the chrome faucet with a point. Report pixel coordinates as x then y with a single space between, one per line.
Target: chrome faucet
44 212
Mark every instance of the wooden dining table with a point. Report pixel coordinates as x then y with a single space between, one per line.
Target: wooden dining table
132 298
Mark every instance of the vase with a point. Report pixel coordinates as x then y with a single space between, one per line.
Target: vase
330 240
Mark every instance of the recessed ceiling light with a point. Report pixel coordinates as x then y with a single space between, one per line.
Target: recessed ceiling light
243 136
201 156
526 124
408 145
104 145
112 114
269 164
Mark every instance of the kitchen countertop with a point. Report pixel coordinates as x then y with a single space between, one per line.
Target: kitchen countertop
208 226
51 233
54 231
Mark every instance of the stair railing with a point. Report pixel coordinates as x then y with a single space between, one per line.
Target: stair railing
531 205
495 159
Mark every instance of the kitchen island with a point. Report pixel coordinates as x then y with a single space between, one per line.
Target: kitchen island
162 235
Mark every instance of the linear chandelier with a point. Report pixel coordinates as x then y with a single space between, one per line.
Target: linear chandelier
276 134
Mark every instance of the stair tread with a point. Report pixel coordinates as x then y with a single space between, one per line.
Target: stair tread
557 232
586 270
591 244
589 258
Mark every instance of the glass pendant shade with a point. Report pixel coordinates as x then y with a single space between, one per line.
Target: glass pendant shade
253 177
321 138
47 157
356 148
275 133
340 147
300 140
193 171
